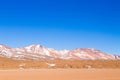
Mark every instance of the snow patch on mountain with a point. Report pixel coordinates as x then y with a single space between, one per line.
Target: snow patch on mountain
39 52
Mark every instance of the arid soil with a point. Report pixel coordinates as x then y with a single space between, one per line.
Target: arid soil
7 63
61 74
11 69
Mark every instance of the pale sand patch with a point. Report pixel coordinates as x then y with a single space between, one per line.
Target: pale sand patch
61 74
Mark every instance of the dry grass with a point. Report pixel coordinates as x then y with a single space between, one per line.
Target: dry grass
7 63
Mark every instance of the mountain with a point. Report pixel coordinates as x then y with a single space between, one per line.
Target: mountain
38 52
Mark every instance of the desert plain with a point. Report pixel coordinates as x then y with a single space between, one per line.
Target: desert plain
11 69
61 74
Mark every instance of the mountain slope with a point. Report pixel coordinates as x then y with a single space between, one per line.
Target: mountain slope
38 52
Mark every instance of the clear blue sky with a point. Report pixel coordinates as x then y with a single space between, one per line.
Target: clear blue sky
61 24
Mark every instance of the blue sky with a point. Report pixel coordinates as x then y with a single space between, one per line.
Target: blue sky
61 24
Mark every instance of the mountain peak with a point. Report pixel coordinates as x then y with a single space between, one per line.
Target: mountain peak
4 46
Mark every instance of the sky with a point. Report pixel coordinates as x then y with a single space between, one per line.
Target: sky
61 24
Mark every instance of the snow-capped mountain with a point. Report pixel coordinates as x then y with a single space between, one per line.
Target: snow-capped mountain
38 52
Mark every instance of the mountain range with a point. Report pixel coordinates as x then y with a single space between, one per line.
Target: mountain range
39 52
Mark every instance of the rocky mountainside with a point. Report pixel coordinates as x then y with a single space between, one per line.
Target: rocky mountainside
38 52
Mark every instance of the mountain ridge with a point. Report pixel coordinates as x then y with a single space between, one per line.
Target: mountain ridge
39 52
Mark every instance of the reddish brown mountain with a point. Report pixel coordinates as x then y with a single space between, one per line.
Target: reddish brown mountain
38 52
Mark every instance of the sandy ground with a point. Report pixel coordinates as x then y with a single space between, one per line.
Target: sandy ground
61 74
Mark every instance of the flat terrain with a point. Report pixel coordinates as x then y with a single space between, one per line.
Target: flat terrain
12 69
61 74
